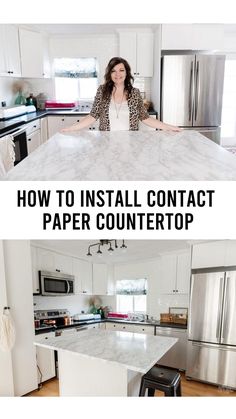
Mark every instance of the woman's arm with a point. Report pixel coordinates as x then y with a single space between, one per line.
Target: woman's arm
84 123
155 123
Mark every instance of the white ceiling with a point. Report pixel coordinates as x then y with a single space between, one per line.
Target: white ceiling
136 249
80 29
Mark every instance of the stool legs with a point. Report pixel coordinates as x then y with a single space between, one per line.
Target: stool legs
174 391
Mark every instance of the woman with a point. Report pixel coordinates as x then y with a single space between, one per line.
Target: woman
118 105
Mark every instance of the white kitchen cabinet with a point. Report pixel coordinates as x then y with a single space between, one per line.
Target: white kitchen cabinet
45 359
137 49
230 253
214 254
19 366
82 271
139 328
93 326
47 260
176 357
130 327
117 326
175 274
9 51
208 255
183 273
102 281
56 123
192 37
44 129
33 141
32 56
62 263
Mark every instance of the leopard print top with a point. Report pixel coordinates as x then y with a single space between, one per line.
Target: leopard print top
137 111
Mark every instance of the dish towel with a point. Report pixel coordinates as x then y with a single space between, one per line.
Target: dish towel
7 331
7 154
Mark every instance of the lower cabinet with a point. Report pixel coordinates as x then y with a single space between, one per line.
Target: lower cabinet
176 357
125 327
45 361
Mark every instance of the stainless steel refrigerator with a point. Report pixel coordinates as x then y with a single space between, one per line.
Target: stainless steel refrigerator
192 90
211 352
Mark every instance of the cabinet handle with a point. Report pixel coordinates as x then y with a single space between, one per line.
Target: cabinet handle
176 290
77 120
173 290
29 139
84 292
58 270
35 126
63 119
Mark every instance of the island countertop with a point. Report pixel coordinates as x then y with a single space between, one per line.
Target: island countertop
134 351
127 155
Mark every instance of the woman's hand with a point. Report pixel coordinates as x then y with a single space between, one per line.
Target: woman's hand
84 123
155 123
172 128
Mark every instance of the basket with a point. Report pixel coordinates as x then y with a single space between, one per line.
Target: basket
178 319
166 317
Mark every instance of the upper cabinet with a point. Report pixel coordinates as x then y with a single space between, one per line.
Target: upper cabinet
103 283
32 48
82 271
137 49
192 36
214 254
9 51
47 260
175 274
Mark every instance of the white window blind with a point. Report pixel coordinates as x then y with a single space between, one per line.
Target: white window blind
131 286
75 67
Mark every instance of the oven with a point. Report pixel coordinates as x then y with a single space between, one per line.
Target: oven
20 140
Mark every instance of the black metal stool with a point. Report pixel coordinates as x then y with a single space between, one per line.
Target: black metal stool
163 379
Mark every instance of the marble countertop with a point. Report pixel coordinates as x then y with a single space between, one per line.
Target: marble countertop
134 351
127 155
75 323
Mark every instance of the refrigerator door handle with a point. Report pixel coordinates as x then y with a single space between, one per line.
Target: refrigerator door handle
219 312
197 90
226 304
213 346
190 104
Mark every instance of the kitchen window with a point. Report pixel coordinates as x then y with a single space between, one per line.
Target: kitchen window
131 295
75 79
228 126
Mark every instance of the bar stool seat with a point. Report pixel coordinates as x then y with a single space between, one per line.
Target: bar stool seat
163 379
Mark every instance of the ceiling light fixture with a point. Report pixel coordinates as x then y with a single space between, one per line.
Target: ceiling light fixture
106 243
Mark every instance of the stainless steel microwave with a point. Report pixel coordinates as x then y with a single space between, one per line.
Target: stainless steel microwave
54 283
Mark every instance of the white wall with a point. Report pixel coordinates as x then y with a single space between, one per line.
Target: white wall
34 86
18 272
74 303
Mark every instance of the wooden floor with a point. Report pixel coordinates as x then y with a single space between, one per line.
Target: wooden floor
189 389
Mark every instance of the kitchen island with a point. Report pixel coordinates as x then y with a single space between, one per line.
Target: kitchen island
104 363
127 155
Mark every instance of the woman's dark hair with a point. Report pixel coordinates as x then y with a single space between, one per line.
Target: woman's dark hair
109 84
